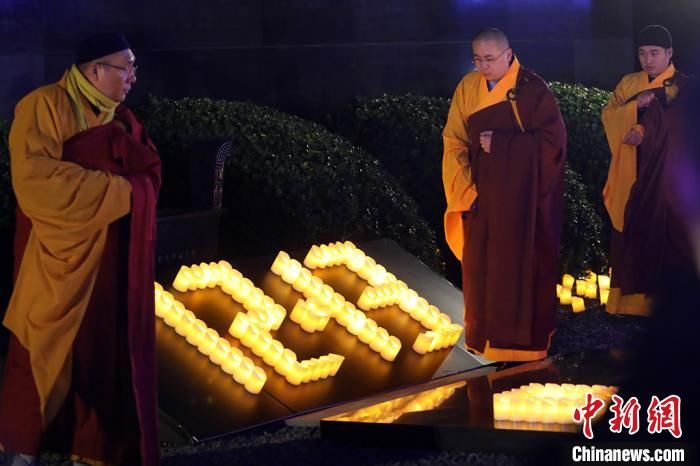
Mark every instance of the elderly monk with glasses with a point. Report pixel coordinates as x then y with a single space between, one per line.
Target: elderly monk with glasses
80 373
502 170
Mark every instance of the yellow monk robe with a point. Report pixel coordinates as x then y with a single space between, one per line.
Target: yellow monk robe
471 97
619 116
70 209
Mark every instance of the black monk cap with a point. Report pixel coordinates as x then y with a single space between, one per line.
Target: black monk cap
655 34
99 45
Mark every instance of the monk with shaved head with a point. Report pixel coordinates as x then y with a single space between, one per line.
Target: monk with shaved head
503 166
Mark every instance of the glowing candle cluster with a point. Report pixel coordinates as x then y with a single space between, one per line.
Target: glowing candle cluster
548 403
386 290
322 300
585 288
389 411
282 359
208 342
261 308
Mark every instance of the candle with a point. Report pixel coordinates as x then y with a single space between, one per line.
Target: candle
183 326
559 288
233 361
603 282
431 318
347 313
314 258
183 280
391 349
302 281
604 296
280 263
565 297
274 353
368 331
256 381
239 326
177 310
286 362
244 371
357 323
591 291
356 260
220 352
210 339
423 343
263 343
581 287
296 373
377 275
196 333
567 280
380 340
591 277
292 271
577 304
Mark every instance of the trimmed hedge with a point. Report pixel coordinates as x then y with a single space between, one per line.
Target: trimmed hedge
405 133
290 182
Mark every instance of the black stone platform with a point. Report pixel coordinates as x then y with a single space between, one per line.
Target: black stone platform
206 403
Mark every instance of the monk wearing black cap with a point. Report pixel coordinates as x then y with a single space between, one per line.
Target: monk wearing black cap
647 237
80 374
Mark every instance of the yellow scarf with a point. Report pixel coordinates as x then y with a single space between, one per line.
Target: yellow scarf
77 85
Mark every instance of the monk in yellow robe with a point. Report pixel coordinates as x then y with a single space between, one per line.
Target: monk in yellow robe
80 373
647 236
503 168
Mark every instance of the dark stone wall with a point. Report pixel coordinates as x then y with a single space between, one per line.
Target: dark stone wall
311 56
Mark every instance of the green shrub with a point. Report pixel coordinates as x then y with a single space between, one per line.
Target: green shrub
290 182
405 133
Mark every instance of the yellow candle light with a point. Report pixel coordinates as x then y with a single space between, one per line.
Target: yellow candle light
591 291
577 304
274 353
356 260
604 293
603 282
280 263
565 297
245 370
177 310
377 275
368 331
256 381
559 288
581 287
302 281
344 317
367 299
220 352
183 280
233 361
423 343
338 361
445 321
420 310
410 298
286 362
311 321
567 280
501 407
591 277
196 333
296 374
240 325
308 370
431 318
250 338
391 349
262 344
357 323
243 290
314 258
292 271
164 304
380 340
183 326
210 340
314 288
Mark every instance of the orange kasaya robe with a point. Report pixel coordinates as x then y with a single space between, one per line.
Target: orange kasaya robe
619 116
73 379
508 244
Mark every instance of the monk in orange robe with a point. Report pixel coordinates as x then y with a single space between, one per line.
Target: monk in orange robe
503 167
80 373
647 236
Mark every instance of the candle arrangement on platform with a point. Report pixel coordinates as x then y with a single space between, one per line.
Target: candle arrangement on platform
592 287
323 303
386 290
208 342
548 403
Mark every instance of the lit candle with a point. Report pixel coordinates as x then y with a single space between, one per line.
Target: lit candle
380 340
591 291
581 287
445 321
280 263
367 299
196 333
274 353
286 362
183 280
410 298
338 304
344 317
423 343
240 325
292 271
314 258
177 310
391 349
262 345
603 282
577 304
296 373
567 280
431 318
420 309
314 288
565 297
501 407
368 331
356 260
232 361
220 352
302 281
164 304
591 277
311 321
308 370
604 296
185 323
357 323
206 346
251 337
256 381
377 275
559 288
338 361
244 371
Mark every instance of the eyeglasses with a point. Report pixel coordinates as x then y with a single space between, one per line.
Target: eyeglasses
131 69
478 61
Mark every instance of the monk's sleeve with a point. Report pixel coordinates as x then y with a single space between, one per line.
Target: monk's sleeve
545 135
59 196
619 116
460 191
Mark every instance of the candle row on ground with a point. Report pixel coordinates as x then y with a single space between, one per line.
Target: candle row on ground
352 257
208 342
434 340
260 307
323 299
282 360
584 288
549 403
389 411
